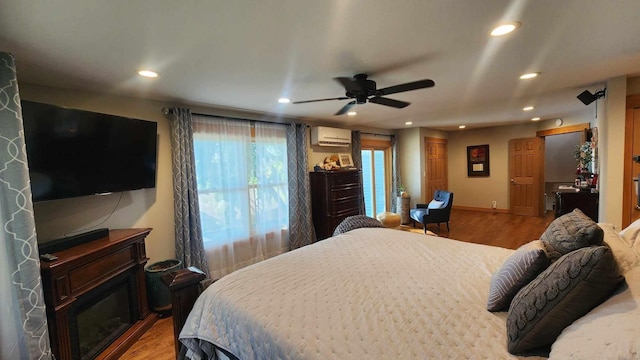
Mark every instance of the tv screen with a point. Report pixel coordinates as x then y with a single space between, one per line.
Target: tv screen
76 153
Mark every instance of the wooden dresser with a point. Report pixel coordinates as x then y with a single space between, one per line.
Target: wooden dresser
334 196
583 200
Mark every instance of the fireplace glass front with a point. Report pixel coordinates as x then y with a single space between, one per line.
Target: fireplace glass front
103 315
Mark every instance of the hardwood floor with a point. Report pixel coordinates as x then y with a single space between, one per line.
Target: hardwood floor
157 343
497 229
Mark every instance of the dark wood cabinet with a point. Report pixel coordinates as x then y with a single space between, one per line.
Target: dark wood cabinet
86 277
586 201
334 196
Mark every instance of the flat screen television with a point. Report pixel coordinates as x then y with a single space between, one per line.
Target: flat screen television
75 153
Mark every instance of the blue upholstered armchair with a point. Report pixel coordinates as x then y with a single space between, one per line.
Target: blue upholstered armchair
436 212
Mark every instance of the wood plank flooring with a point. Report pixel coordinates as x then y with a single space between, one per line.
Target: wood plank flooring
497 229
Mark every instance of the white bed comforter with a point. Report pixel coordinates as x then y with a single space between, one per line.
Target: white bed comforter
366 294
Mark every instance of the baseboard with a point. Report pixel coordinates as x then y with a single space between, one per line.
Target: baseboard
489 210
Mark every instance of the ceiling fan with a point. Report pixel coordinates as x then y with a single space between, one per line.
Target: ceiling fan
363 90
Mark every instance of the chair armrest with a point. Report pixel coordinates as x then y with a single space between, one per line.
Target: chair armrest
422 206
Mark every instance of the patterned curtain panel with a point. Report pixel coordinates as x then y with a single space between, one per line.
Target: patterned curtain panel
395 173
356 154
189 245
301 231
23 333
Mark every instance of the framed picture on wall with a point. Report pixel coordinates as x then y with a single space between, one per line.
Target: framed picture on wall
478 160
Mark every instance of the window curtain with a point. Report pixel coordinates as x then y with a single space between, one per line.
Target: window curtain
395 174
356 155
188 231
301 227
243 191
24 333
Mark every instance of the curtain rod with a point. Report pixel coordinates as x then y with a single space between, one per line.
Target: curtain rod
376 134
166 112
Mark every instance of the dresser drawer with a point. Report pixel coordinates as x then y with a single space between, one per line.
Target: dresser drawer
345 192
346 178
347 205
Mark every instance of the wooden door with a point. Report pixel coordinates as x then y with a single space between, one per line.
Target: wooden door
630 210
526 170
437 167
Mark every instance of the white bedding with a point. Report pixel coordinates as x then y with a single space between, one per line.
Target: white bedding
365 294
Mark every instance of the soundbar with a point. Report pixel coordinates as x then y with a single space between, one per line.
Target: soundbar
64 243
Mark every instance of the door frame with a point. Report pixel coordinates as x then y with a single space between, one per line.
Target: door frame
581 128
633 101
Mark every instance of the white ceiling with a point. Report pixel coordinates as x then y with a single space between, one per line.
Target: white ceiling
246 54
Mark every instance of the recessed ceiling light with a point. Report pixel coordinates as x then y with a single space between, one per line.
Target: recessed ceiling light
529 75
352 113
528 108
504 29
148 73
284 100
409 123
462 126
535 118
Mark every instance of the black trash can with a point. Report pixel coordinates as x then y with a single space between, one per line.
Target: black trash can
157 292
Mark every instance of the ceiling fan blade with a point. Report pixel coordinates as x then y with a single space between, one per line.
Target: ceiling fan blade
309 101
349 84
346 108
421 84
389 102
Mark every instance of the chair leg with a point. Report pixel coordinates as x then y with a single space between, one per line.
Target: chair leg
447 226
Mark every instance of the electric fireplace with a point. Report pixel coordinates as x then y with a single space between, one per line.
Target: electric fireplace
96 296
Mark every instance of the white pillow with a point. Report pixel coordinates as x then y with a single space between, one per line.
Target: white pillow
631 232
435 204
609 331
626 256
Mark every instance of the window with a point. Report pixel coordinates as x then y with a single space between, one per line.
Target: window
242 180
376 180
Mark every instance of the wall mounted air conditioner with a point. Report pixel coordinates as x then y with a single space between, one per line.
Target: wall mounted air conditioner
327 136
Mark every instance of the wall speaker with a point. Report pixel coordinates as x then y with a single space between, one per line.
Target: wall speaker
587 97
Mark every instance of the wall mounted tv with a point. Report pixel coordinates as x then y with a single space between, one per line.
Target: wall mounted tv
76 153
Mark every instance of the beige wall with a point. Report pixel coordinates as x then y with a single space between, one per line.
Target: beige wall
472 192
479 192
410 162
611 151
140 208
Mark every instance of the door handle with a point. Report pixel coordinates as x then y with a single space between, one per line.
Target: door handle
513 182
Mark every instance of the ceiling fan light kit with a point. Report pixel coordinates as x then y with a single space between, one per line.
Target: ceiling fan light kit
363 90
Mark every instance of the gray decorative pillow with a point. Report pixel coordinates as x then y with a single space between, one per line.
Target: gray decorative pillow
564 292
356 222
570 232
517 271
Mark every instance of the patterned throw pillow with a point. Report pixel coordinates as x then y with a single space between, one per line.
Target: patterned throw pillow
570 232
356 222
517 271
564 292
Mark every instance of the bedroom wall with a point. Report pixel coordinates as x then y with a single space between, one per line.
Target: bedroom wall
140 208
410 162
560 165
611 151
479 192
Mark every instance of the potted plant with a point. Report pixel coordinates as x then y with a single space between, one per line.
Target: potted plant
584 156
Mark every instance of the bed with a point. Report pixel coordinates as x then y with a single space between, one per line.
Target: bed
377 293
